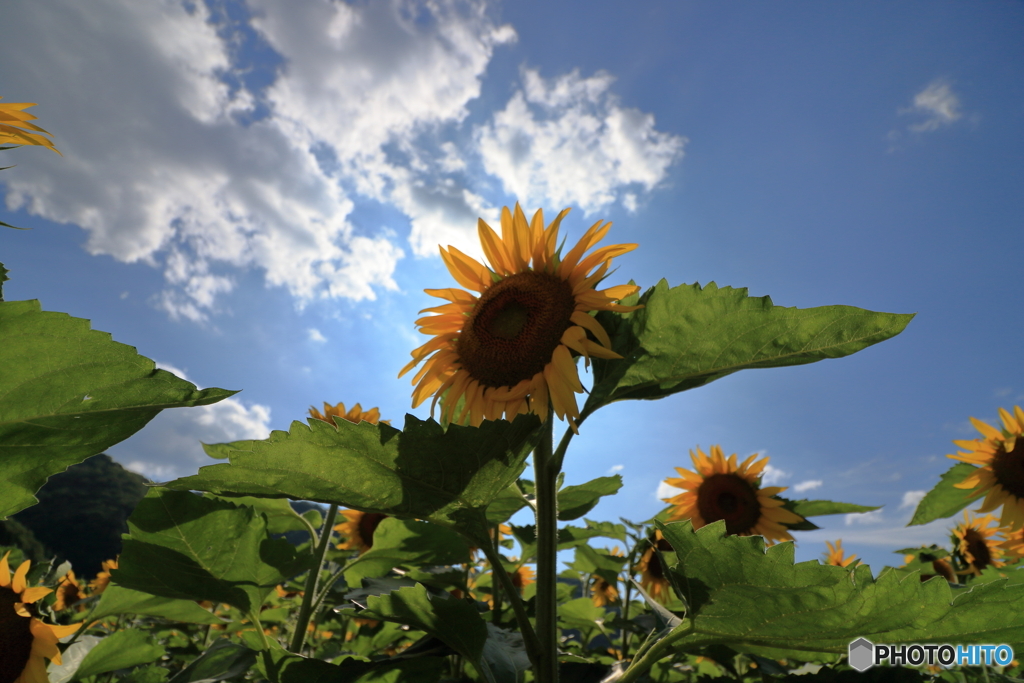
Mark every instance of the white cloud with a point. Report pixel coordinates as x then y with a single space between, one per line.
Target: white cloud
938 104
872 517
666 491
568 141
316 335
808 485
772 475
616 468
171 444
911 499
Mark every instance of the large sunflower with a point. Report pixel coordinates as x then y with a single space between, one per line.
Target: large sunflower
509 350
358 528
720 489
1000 460
355 415
25 641
976 545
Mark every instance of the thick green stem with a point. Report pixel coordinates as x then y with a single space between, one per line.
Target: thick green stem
546 474
530 641
657 651
299 637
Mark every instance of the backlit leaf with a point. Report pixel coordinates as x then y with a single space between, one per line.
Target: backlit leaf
119 650
945 499
405 542
576 501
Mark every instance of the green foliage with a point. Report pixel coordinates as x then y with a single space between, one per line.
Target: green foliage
945 500
448 477
117 600
119 650
758 601
407 543
283 667
689 335
176 549
815 508
223 660
14 533
68 392
576 501
83 512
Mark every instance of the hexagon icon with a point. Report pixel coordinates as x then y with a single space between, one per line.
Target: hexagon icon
862 654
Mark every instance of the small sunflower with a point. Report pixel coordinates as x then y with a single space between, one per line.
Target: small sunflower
509 350
999 458
355 416
358 528
68 592
976 545
25 641
652 575
102 580
1013 546
720 489
836 555
603 593
15 128
522 577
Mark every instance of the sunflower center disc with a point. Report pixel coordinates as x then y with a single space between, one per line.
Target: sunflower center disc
1008 468
368 523
729 497
978 549
515 327
15 638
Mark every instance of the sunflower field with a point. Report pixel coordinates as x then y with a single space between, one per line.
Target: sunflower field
410 567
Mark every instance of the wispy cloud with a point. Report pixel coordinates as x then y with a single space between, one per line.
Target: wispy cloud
808 485
666 491
873 517
316 336
934 107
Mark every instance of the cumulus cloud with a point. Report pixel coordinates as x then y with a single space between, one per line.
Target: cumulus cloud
872 517
772 475
568 141
316 335
171 444
911 499
665 491
808 485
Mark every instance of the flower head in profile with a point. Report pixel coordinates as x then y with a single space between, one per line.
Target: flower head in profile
522 577
358 528
509 348
978 544
355 415
721 489
25 641
999 458
653 578
102 580
836 556
68 592
16 129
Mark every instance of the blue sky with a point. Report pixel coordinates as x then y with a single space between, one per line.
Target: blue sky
252 193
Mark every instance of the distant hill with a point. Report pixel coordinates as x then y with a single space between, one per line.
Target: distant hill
82 512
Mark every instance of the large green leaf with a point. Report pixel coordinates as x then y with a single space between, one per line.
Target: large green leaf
576 501
945 500
221 661
689 335
814 508
119 600
67 393
280 666
120 650
761 602
182 545
456 623
405 542
448 477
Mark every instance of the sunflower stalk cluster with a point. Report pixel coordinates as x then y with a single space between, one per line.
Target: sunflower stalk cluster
431 555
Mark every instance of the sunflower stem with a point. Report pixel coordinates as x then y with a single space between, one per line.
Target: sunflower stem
530 641
306 610
546 466
655 652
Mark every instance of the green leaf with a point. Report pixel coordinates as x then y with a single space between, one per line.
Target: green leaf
423 472
68 392
509 502
581 614
759 602
689 335
221 661
186 546
816 508
119 600
280 666
590 561
281 517
120 650
576 501
405 542
945 500
146 674
456 623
